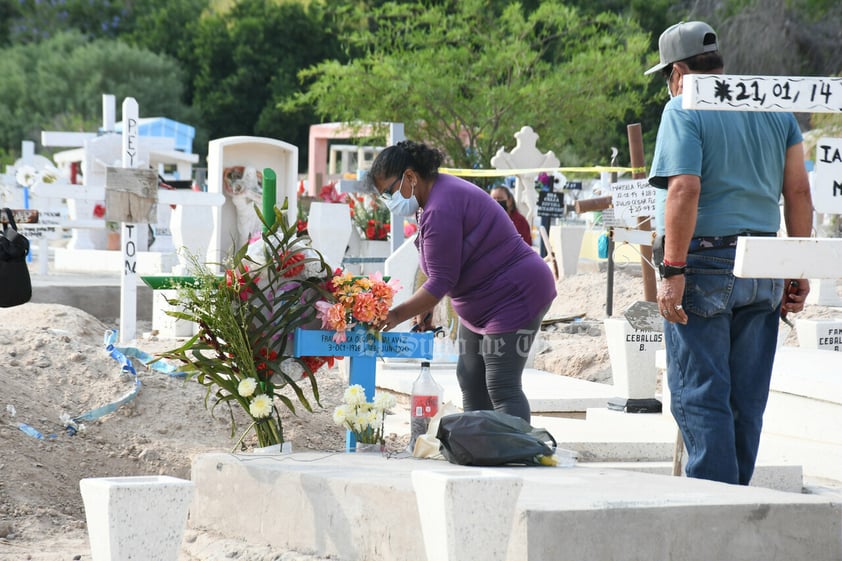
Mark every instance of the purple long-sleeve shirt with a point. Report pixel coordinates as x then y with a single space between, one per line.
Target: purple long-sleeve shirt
470 250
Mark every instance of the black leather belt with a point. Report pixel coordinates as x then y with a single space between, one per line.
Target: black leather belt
702 243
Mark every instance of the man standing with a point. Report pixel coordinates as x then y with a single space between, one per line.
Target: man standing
721 174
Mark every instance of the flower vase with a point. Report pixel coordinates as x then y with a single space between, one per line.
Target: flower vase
365 448
377 251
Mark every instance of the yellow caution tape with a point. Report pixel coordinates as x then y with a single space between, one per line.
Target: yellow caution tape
536 171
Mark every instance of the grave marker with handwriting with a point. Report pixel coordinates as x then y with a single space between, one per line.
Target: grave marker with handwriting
363 349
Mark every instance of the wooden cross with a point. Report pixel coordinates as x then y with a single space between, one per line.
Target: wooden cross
819 258
363 349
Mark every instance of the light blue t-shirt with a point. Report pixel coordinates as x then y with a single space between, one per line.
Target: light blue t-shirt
739 156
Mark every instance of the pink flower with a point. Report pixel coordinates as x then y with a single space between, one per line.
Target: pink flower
333 318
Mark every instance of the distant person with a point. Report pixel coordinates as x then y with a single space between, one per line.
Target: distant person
503 195
720 175
470 251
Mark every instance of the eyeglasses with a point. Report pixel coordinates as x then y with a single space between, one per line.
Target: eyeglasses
390 190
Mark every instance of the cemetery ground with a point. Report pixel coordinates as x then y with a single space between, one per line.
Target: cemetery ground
52 361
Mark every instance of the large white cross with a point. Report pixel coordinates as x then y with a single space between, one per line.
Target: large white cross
757 257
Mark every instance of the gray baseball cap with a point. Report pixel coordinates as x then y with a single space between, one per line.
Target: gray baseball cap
683 40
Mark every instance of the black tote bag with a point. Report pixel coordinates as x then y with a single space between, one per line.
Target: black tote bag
15 284
491 438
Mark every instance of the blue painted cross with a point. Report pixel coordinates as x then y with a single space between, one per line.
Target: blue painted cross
362 350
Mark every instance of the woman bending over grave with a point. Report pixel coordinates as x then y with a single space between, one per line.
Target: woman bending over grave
469 250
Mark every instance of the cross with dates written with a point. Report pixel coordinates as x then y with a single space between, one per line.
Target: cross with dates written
819 258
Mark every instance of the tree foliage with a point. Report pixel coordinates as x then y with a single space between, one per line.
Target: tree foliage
247 61
59 83
572 69
32 21
467 79
776 37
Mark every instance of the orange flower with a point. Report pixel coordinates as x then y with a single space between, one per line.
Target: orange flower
365 307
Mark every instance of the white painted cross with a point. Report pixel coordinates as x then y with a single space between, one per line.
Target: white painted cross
525 155
758 257
129 232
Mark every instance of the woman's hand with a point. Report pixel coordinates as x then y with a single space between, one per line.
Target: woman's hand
423 322
390 322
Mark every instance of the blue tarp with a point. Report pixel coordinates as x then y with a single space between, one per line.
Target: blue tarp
161 126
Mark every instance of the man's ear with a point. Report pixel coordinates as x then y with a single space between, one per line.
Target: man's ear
680 69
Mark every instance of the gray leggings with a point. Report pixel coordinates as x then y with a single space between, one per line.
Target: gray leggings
490 368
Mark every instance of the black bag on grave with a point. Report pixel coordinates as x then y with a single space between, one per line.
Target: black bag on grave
15 284
490 438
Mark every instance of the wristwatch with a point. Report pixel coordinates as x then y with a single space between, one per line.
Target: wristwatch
668 271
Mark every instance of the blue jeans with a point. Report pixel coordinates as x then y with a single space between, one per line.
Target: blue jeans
719 365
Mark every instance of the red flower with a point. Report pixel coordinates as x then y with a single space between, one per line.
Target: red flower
99 210
240 282
288 264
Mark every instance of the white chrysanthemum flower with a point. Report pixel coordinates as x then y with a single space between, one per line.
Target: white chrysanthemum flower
26 175
261 406
49 175
246 387
370 418
354 395
360 422
340 415
384 401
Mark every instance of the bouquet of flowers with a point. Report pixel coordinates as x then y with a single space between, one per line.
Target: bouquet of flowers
365 419
28 176
246 322
371 216
357 302
546 181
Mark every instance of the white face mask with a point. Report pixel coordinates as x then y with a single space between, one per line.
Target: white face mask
401 206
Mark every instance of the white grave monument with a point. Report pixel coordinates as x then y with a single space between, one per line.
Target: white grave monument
233 153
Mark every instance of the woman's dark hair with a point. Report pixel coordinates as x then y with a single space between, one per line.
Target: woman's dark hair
405 155
505 189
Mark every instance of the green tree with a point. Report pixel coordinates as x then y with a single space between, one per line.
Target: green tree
58 84
36 20
248 60
467 79
168 27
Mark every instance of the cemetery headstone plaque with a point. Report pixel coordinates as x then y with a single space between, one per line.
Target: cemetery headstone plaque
550 204
827 181
363 349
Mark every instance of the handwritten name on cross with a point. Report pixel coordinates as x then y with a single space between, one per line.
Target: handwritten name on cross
363 349
819 258
131 197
